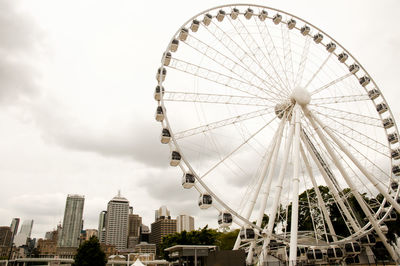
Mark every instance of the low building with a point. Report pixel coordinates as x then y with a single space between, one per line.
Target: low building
108 249
145 248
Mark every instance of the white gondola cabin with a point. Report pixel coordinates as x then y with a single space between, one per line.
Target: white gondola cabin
352 248
330 47
175 158
277 19
393 138
247 234
394 185
388 122
165 136
263 15
381 108
364 81
354 68
396 154
234 13
188 180
207 19
291 24
157 92
352 260
174 45
183 34
305 30
314 254
334 253
159 114
205 201
225 219
318 37
167 58
342 57
249 13
373 94
195 25
396 170
368 240
161 73
221 15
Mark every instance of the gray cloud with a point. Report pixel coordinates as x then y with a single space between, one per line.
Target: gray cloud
19 40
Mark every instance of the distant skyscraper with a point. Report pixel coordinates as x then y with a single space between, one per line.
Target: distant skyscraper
5 236
134 224
102 226
117 222
14 226
25 233
163 226
184 223
72 223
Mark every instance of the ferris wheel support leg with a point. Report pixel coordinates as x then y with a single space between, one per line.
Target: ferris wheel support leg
368 175
276 201
270 166
319 196
330 184
295 193
353 189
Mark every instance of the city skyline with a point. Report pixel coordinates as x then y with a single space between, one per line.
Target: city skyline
81 117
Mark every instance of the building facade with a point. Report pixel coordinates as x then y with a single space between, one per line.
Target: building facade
117 222
102 226
134 224
72 222
24 233
14 227
163 226
184 223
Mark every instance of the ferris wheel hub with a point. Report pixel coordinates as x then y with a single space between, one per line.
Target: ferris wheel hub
301 96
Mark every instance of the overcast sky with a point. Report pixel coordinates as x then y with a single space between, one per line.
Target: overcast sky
76 98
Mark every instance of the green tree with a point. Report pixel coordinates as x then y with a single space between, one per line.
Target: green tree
90 254
227 240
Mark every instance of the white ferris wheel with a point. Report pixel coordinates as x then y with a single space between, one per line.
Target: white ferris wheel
257 106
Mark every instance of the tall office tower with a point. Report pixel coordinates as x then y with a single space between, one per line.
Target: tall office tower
134 223
184 223
102 226
14 227
72 223
5 236
144 233
24 233
163 226
117 222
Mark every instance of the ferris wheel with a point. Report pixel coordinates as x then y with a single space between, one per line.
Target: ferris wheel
257 106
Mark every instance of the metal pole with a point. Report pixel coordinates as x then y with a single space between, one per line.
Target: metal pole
195 257
295 193
353 189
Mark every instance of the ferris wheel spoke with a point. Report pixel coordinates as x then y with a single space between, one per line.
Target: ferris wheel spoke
329 179
221 123
241 72
364 139
287 52
215 77
303 61
347 179
238 53
237 148
216 98
365 172
256 51
340 99
349 116
318 70
243 56
333 82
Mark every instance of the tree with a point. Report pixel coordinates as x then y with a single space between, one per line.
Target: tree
90 254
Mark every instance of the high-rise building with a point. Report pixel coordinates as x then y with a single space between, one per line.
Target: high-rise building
134 223
14 227
24 233
72 223
102 226
117 222
184 223
5 236
144 233
163 226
